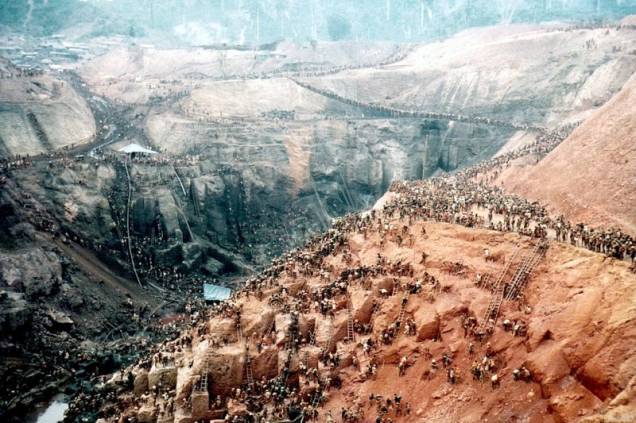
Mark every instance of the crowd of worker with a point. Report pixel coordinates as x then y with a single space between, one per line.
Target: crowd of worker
287 397
470 198
467 197
464 198
393 112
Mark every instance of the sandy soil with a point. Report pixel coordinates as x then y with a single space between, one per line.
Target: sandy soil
580 346
591 176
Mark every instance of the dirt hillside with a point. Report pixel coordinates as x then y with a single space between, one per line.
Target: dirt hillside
591 176
572 333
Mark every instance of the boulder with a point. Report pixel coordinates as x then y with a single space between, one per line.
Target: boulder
15 312
265 364
547 363
619 409
59 319
340 327
283 321
310 355
167 376
608 372
146 414
427 322
192 255
223 328
200 404
385 283
227 367
35 272
362 303
569 399
255 321
307 325
71 297
236 408
182 416
212 266
140 385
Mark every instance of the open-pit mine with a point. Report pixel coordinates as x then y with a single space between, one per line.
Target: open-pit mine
261 211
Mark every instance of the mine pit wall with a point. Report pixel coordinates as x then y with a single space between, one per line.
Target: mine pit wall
241 199
280 180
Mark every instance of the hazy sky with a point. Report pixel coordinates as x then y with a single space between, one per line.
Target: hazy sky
259 21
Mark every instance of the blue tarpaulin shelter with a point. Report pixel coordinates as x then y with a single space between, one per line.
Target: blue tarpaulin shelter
215 292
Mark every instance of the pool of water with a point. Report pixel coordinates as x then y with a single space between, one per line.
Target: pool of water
51 412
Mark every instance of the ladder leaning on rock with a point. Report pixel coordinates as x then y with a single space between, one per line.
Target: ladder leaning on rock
405 298
498 293
522 275
249 375
202 385
351 336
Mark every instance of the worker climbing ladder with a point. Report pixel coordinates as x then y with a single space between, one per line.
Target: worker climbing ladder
504 272
403 303
396 287
316 399
239 331
514 288
314 403
486 282
285 375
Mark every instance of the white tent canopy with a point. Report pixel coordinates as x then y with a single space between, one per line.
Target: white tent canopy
135 148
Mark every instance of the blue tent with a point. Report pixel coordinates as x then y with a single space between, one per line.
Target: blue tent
215 292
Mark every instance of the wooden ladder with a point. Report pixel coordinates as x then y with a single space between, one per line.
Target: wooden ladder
498 294
351 336
248 369
402 307
202 386
523 273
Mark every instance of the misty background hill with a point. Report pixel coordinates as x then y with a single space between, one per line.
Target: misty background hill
201 22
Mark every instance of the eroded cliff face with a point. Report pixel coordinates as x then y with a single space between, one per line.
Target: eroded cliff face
239 203
256 162
40 114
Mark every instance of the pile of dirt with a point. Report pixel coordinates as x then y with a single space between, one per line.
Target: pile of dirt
573 332
589 177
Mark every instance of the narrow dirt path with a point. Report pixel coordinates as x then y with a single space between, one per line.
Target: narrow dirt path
94 267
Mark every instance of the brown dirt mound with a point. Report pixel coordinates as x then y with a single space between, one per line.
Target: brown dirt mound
580 346
591 176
